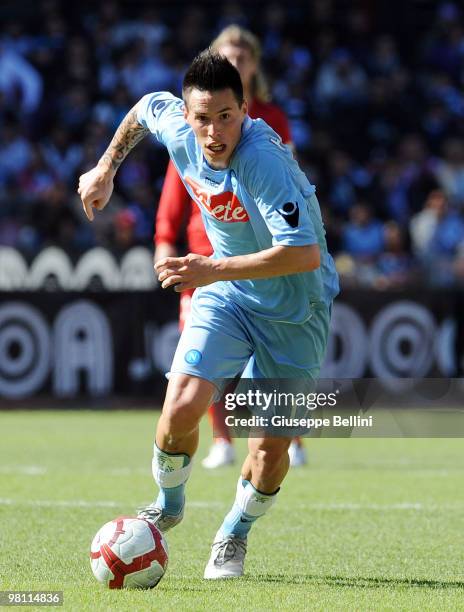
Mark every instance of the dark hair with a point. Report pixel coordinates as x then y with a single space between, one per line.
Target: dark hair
211 71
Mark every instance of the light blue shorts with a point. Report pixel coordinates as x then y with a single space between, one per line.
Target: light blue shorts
221 340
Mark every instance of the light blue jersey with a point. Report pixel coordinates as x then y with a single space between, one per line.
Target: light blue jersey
261 200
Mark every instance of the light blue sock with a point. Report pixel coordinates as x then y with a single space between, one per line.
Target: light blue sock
248 506
171 472
233 523
171 500
237 523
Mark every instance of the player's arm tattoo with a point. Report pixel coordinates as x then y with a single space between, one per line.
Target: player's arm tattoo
128 134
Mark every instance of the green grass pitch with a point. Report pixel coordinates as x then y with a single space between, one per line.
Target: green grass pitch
367 525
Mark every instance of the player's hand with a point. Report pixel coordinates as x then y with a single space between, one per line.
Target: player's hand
186 272
95 189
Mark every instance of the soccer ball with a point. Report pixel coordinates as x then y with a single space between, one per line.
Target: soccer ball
129 552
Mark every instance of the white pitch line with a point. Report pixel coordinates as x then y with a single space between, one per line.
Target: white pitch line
27 470
73 503
81 503
382 507
124 471
413 467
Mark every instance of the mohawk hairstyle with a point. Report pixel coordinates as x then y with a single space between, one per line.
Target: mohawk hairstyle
211 71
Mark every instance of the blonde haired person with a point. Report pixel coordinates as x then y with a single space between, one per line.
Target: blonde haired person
229 43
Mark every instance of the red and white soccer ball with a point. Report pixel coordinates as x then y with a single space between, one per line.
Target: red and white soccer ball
129 552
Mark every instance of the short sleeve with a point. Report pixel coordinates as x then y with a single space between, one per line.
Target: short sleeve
283 205
162 114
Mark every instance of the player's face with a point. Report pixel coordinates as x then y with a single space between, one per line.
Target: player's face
216 119
242 59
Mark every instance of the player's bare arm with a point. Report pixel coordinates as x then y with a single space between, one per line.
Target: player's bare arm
163 250
196 270
96 186
128 134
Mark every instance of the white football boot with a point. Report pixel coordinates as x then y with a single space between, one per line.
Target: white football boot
297 455
227 558
220 454
164 522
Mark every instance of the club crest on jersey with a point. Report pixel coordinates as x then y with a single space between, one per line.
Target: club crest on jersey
224 206
193 357
290 212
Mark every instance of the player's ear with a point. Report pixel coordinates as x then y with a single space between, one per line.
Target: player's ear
244 108
185 108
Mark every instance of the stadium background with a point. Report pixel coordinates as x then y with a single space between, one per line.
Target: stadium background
374 96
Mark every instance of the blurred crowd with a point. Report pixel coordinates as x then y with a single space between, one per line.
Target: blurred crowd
375 99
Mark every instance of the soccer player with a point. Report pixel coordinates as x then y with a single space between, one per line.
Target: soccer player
243 50
265 296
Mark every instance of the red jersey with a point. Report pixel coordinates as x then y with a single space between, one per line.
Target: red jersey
175 204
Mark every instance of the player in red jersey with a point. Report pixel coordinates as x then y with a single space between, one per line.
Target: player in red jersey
175 207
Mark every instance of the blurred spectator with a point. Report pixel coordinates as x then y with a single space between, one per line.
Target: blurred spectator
345 179
395 266
417 169
458 269
15 151
444 47
37 177
112 113
363 235
57 223
15 39
437 234
74 112
61 153
133 172
450 170
437 124
232 13
384 60
448 235
274 25
437 230
391 192
341 82
141 205
123 237
424 223
20 83
191 36
440 87
149 27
